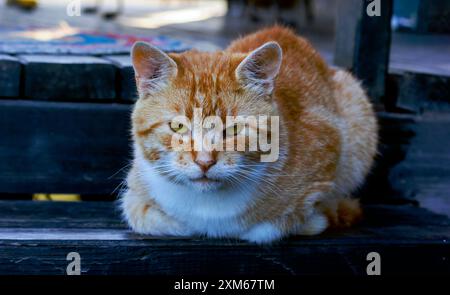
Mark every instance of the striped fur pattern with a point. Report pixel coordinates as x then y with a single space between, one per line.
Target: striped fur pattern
328 139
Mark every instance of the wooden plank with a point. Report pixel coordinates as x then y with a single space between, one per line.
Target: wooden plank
56 147
56 215
118 257
418 92
125 81
363 43
410 240
82 148
28 214
63 77
10 70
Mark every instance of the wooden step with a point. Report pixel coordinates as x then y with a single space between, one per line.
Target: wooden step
71 147
35 238
410 87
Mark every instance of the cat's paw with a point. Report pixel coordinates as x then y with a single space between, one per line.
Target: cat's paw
266 232
151 221
314 225
144 217
263 233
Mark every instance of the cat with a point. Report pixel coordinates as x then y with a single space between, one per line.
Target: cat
327 142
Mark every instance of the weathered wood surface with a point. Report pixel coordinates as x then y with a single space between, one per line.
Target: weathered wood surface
417 92
126 84
53 77
51 147
363 43
35 238
411 86
10 70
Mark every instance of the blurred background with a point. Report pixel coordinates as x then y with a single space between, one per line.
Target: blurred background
421 27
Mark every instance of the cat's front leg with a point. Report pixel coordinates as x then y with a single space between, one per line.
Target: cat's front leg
145 217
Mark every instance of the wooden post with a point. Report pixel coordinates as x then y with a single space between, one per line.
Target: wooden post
363 42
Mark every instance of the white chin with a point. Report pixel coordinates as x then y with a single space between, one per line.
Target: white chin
205 186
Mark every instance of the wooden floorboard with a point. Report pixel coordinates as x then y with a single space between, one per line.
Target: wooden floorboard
35 238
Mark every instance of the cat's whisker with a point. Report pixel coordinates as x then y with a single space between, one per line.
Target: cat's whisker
121 187
120 170
264 178
259 179
236 182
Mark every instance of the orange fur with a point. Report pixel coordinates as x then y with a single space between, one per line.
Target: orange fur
344 212
328 132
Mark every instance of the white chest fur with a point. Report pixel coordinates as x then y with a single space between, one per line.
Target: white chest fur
214 213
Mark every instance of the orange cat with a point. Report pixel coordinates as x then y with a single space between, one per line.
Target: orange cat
327 137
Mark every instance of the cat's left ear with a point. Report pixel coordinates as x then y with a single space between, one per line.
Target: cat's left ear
153 68
259 69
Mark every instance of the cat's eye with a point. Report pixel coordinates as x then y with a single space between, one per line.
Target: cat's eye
178 127
233 130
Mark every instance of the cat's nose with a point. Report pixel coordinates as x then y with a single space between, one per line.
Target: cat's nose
204 160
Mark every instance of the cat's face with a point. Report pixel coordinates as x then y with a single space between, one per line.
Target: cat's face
197 115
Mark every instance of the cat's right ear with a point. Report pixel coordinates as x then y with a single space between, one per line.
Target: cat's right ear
152 67
260 68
